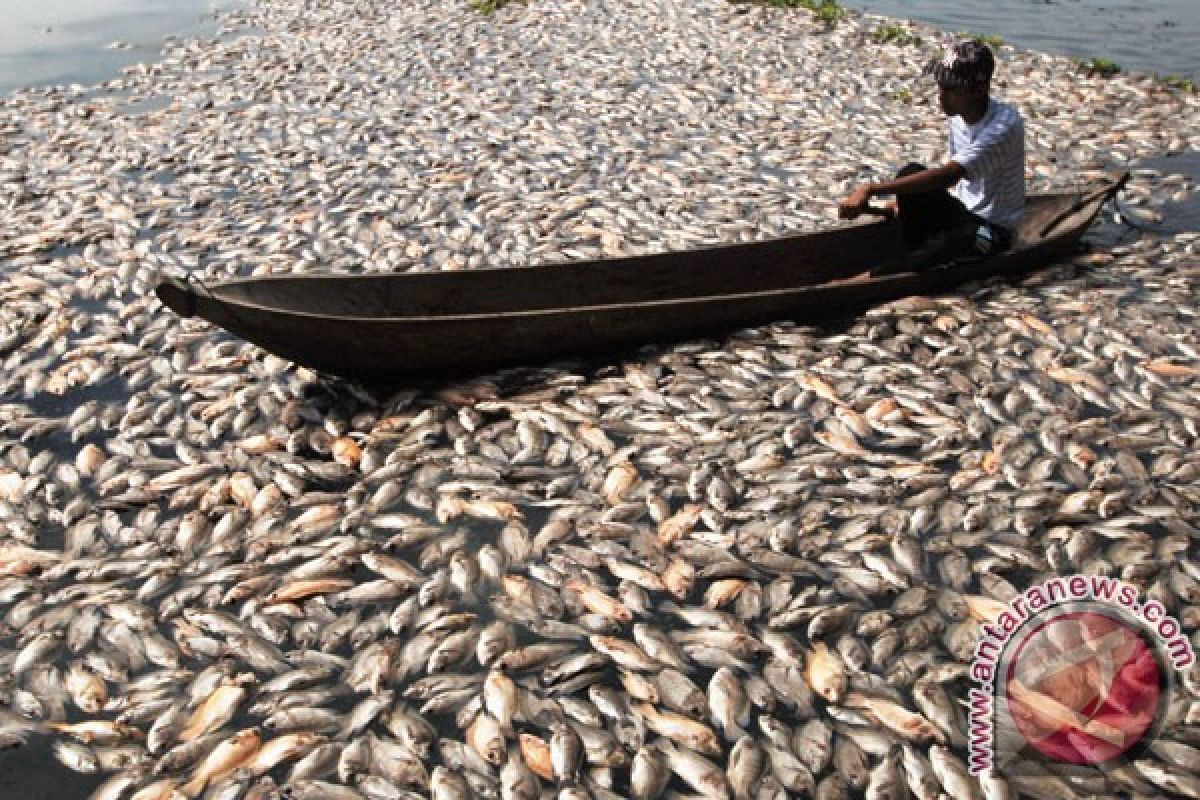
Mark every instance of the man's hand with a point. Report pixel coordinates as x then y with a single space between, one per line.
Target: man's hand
855 203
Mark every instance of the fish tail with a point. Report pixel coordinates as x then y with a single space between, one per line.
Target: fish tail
194 786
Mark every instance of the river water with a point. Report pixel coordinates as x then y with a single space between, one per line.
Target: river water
52 42
87 41
1151 36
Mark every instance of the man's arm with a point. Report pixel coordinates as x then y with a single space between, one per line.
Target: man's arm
930 180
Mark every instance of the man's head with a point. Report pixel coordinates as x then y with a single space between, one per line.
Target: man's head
964 76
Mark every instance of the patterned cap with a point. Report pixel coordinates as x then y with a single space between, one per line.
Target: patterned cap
967 63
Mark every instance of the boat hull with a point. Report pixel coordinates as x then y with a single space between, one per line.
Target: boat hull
364 345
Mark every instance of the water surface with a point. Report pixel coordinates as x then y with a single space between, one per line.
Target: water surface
1151 36
51 42
32 773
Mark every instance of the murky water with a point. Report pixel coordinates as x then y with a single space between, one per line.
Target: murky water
1184 216
87 41
32 773
1152 36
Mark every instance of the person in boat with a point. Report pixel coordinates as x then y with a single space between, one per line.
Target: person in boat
970 206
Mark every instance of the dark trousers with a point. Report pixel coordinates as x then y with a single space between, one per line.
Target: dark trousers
936 228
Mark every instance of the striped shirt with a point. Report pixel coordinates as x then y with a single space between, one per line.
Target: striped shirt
992 152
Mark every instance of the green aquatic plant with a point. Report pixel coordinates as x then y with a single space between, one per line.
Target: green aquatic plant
994 42
991 40
1186 85
488 6
1098 66
895 34
828 11
808 4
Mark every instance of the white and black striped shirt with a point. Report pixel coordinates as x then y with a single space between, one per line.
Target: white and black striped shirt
992 151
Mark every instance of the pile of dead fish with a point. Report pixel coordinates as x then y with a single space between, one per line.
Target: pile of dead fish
754 567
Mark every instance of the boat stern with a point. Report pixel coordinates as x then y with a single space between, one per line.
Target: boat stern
176 295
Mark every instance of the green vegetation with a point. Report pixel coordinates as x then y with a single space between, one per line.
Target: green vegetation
902 96
994 42
488 6
1186 85
828 11
895 34
1098 66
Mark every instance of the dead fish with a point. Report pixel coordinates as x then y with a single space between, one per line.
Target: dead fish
825 672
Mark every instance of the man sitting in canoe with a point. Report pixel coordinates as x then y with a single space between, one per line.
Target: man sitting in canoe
985 173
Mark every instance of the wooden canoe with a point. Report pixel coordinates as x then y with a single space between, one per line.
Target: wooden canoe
382 327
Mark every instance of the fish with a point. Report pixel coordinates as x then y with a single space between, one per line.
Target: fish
952 774
278 750
697 771
216 710
728 704
566 753
484 735
598 602
536 754
746 761
227 756
825 672
96 731
685 730
649 773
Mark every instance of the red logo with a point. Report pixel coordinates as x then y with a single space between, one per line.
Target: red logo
1083 687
